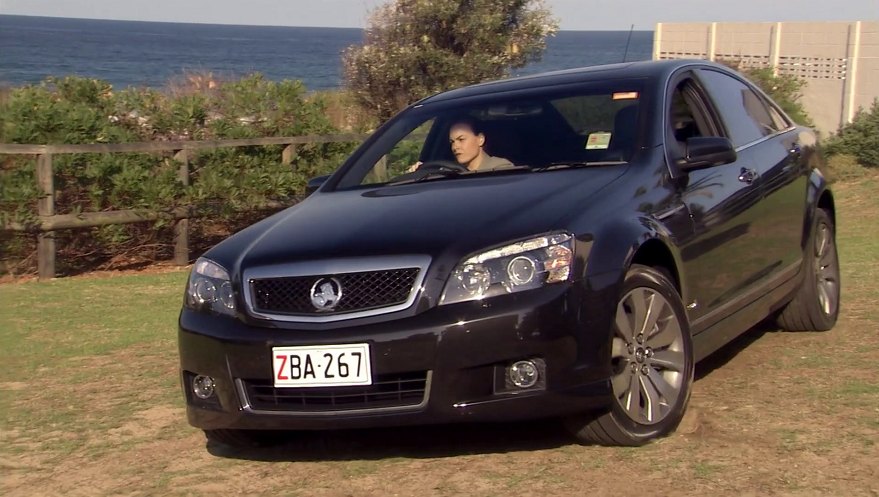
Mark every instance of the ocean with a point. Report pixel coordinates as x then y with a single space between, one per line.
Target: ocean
152 54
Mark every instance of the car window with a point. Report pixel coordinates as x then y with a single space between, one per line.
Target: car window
781 122
590 125
682 118
746 115
402 157
590 113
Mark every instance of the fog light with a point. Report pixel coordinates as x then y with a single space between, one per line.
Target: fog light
203 386
523 374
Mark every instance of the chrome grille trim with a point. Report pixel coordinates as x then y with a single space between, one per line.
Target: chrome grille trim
323 268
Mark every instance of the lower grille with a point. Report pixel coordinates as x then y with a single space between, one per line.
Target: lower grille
388 391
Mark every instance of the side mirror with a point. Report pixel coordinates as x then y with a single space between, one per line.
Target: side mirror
707 151
315 183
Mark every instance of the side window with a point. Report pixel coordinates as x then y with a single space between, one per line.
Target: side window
682 121
746 115
399 159
781 122
687 116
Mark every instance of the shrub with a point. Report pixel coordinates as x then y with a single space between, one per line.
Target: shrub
859 138
77 110
785 90
843 167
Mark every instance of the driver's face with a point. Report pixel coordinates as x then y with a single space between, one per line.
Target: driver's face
466 145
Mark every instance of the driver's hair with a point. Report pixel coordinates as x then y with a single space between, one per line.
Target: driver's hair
474 124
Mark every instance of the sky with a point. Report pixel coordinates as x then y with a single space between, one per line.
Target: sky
573 14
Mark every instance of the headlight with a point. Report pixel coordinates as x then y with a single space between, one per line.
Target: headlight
512 268
210 288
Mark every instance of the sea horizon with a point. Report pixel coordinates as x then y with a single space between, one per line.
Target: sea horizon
268 25
154 54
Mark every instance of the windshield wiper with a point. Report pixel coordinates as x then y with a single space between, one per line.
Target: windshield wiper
417 176
572 165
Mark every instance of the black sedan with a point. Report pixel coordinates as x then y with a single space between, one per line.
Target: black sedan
566 245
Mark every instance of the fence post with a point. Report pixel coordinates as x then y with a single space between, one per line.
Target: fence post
288 154
45 208
381 169
181 226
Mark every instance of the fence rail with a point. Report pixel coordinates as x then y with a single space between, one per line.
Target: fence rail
49 221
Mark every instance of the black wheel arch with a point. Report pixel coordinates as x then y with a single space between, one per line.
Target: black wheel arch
656 254
818 196
641 241
827 203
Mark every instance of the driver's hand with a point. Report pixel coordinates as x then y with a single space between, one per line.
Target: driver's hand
414 167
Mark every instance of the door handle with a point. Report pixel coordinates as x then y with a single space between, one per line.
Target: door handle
748 175
794 154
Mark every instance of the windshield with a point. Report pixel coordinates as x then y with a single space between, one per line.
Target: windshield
597 125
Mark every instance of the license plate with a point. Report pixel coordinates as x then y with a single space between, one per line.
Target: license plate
321 366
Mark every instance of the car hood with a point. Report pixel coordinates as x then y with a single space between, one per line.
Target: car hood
453 216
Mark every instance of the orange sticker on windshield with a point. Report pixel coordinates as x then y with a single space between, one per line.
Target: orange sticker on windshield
625 95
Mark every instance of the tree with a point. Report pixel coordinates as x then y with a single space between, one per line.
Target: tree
415 48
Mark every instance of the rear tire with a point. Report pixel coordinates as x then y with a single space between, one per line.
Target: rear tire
652 360
815 306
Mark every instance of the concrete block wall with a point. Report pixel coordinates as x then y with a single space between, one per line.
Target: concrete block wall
838 61
868 66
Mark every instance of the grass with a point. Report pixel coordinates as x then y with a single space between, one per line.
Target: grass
89 395
85 354
67 318
706 470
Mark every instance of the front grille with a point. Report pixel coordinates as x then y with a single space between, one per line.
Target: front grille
360 291
388 391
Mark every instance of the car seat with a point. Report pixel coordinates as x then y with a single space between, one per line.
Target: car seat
622 141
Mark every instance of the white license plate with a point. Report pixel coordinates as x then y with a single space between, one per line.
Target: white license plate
321 366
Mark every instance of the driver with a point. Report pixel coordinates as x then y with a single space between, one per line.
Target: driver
467 141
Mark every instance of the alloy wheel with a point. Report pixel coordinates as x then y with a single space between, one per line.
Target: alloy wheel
648 355
826 270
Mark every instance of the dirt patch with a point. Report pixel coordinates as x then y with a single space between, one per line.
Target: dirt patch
148 424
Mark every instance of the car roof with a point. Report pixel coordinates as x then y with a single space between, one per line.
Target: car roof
649 69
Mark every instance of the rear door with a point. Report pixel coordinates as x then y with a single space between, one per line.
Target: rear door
771 144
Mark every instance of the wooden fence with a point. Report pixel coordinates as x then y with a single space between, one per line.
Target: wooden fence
51 222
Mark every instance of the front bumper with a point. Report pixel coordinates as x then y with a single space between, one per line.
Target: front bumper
443 365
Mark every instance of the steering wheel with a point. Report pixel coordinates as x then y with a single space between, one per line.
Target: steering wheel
441 165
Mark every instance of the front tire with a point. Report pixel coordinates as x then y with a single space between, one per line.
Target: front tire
652 361
815 306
